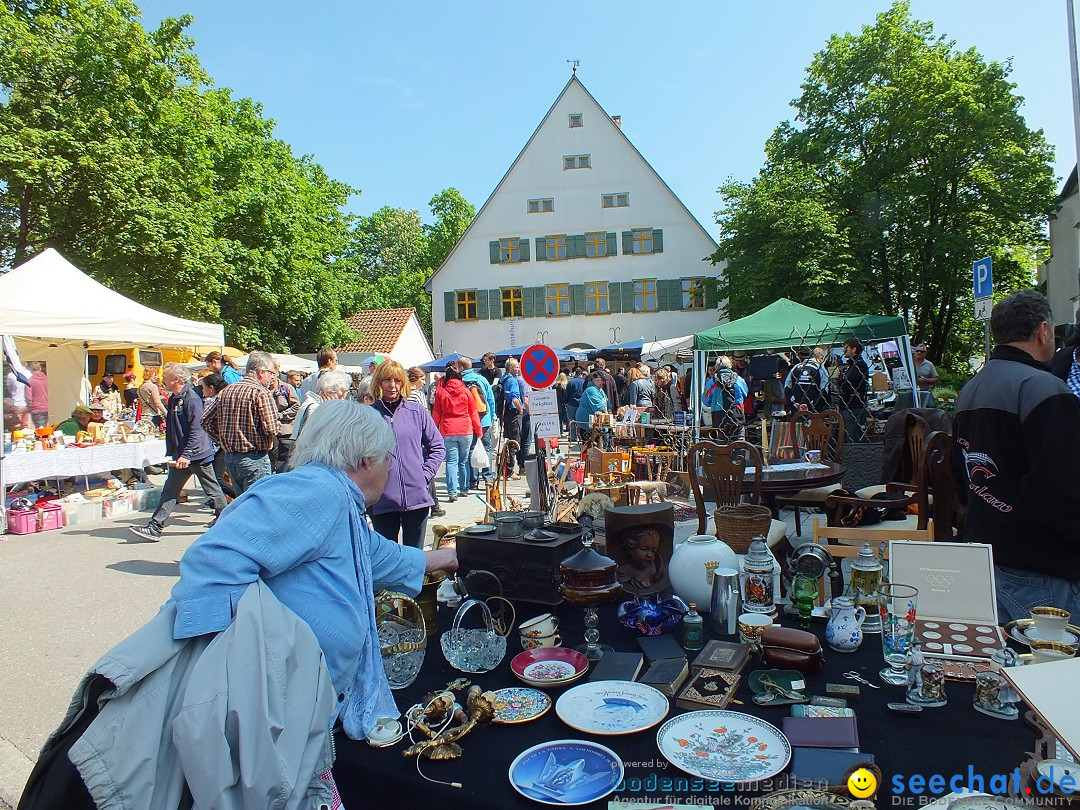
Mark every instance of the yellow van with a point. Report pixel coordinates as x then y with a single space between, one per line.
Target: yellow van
118 361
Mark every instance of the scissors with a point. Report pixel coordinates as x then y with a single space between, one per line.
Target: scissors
855 676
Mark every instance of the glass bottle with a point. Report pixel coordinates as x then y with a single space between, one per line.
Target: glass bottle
866 577
693 629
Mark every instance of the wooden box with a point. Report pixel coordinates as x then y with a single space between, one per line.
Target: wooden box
527 571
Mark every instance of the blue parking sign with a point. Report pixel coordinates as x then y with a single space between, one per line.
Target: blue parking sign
982 276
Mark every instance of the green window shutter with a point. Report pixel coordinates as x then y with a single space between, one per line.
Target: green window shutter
481 305
628 243
527 295
523 248
539 307
627 296
575 246
450 305
494 298
493 249
663 296
675 293
614 297
541 248
712 293
657 240
611 247
577 299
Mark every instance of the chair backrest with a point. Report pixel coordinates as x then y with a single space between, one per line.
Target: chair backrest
937 474
821 431
722 468
914 440
849 539
879 381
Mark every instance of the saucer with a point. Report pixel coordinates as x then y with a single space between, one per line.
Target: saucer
549 666
1024 632
481 528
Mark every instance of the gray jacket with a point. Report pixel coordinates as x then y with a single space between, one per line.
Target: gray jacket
246 715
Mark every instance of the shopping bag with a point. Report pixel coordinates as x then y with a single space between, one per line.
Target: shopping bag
478 458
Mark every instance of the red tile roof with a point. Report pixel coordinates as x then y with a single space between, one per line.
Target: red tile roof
380 329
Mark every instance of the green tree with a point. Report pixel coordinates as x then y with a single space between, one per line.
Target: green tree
116 150
908 160
452 213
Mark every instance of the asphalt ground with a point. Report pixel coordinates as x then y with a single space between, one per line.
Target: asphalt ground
70 595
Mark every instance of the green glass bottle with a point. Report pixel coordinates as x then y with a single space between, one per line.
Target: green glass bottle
693 629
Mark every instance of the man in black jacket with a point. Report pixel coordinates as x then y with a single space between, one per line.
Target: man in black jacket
188 444
854 374
1017 462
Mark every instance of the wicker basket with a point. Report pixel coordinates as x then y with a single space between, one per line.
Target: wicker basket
739 525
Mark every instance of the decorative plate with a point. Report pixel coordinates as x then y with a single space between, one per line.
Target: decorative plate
1054 770
1023 631
481 528
566 772
800 798
984 802
519 704
612 707
724 746
540 536
549 666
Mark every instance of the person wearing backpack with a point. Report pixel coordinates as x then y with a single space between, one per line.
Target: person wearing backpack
807 385
484 398
724 394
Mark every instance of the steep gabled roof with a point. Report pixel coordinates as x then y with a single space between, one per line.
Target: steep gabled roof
574 80
380 329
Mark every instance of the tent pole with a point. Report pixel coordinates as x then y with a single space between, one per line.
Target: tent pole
3 481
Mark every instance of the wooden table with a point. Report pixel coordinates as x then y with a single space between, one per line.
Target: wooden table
781 477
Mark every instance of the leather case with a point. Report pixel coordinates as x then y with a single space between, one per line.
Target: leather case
788 648
822 732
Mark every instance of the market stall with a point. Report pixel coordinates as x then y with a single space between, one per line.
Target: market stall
57 313
786 324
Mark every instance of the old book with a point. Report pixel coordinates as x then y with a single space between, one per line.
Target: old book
617 666
668 675
661 648
726 655
708 689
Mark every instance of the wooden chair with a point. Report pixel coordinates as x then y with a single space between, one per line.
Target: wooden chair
911 468
722 468
845 541
932 483
815 431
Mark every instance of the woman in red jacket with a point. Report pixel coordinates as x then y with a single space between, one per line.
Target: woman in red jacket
457 420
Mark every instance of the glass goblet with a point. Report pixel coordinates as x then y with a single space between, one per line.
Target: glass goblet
805 590
896 607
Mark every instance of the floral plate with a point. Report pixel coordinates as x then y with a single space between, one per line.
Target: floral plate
519 704
549 666
612 707
724 746
566 772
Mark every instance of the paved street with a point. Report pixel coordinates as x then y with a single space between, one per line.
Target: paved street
67 596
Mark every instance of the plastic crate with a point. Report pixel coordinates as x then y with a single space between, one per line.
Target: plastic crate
22 521
82 513
119 503
50 516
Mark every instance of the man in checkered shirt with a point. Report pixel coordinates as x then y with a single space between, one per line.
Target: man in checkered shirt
244 422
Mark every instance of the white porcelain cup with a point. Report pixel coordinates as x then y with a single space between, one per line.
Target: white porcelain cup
545 624
1043 651
530 643
1050 623
813 456
751 625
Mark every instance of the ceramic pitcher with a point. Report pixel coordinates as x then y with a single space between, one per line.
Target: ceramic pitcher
844 630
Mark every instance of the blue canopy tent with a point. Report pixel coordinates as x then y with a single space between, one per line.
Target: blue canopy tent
439 363
563 355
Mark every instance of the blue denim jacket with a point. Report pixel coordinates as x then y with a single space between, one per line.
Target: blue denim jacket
292 531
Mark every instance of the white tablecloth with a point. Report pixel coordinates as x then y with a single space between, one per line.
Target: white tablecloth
75 461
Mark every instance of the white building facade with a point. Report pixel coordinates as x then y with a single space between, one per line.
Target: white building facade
1059 278
581 244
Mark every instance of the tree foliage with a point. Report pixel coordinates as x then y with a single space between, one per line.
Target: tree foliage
116 149
392 253
907 161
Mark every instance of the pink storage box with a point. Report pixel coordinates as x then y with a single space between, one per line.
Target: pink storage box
22 521
50 517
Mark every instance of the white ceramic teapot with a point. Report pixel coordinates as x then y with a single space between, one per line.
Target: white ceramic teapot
844 631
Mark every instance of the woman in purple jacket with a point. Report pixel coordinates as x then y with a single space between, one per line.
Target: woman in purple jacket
413 464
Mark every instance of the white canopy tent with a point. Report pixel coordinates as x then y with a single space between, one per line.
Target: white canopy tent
56 313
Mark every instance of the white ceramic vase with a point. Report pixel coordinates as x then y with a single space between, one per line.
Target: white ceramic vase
692 565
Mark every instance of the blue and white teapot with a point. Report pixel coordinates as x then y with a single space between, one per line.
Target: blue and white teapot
844 631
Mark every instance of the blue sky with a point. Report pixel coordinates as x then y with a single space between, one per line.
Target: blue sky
403 99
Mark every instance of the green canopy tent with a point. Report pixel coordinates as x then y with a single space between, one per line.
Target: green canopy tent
785 323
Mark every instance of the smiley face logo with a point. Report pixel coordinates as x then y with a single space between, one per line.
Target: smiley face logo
862 784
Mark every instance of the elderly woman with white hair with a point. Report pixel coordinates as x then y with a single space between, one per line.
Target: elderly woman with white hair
304 534
332 385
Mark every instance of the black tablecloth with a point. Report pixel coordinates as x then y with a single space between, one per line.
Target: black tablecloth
953 739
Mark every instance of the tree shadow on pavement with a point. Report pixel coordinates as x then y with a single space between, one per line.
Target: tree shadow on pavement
147 568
